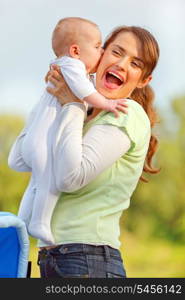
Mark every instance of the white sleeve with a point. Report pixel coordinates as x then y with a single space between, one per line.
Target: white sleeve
78 160
15 159
74 73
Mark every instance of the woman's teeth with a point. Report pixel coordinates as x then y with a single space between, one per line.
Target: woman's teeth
116 75
114 79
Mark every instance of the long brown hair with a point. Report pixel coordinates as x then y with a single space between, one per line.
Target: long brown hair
144 96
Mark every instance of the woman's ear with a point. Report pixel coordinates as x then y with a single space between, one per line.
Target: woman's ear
144 82
74 51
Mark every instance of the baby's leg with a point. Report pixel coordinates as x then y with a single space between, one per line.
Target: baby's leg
39 226
43 168
46 194
25 208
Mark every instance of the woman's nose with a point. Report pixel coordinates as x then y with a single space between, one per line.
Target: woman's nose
123 63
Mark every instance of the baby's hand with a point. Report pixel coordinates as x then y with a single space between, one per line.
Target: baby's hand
117 105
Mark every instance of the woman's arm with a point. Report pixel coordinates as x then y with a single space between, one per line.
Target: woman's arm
79 160
15 160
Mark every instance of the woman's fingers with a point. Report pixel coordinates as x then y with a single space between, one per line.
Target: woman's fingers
56 68
53 80
53 74
56 72
56 75
50 90
46 77
53 90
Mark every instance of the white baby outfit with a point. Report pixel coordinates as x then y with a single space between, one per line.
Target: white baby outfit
38 150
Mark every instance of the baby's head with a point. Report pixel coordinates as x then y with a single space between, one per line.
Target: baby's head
78 38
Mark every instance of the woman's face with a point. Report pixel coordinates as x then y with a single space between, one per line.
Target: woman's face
121 67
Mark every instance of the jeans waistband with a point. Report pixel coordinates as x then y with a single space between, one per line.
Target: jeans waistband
104 250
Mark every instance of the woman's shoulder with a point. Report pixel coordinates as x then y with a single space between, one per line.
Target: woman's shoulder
134 108
136 118
135 123
136 115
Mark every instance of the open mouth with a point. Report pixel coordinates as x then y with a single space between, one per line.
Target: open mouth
113 80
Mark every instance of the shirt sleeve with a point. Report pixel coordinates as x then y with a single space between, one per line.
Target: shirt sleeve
78 160
74 73
135 124
15 159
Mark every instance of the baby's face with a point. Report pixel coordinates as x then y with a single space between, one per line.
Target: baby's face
91 49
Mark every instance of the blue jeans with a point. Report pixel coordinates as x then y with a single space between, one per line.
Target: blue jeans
81 261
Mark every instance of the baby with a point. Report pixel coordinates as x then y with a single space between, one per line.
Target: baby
76 43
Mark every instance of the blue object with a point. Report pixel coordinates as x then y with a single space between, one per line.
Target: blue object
14 246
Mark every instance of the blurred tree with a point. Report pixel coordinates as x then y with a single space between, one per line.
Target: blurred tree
12 183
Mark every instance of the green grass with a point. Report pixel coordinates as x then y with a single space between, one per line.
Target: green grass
142 257
152 257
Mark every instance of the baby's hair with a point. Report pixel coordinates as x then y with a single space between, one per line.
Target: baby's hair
67 32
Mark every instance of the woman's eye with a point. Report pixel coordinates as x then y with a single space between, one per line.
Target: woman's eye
135 64
115 52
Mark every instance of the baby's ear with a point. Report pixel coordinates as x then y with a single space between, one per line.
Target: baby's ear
74 51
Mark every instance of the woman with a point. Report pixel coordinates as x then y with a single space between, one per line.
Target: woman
99 172
99 163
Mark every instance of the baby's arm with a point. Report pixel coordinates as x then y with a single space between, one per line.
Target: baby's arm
74 73
99 101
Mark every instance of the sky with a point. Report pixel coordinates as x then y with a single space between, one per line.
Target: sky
25 43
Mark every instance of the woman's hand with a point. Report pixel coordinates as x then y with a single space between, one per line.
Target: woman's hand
60 90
